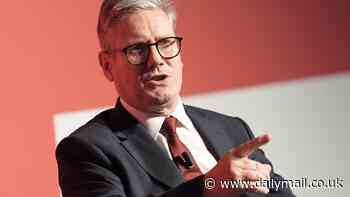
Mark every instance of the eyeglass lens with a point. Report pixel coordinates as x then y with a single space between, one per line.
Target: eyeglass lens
166 47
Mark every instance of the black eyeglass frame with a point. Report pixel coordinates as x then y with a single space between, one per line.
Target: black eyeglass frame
125 49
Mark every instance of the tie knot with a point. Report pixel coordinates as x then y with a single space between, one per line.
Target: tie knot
169 125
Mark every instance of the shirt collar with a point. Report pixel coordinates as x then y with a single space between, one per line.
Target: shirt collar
153 122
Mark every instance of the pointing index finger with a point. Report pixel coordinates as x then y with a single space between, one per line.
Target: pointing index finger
246 149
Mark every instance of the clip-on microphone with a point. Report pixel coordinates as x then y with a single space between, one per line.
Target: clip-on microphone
185 160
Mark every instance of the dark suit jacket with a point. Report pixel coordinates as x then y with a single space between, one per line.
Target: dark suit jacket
113 155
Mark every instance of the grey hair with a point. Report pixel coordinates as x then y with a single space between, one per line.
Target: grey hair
112 11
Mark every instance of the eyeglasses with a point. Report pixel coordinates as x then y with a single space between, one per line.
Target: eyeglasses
167 48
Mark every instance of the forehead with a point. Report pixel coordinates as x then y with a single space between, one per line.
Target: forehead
142 26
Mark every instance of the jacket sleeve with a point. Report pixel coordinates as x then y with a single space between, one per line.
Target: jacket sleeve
84 171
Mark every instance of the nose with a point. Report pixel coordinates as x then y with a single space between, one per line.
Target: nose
154 58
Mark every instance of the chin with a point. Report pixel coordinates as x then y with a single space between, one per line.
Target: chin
161 98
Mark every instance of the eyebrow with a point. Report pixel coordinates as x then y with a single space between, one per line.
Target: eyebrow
138 39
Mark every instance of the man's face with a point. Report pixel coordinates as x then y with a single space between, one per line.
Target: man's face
156 84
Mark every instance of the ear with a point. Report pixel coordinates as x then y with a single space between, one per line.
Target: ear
106 65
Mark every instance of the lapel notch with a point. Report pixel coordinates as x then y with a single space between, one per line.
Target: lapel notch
145 150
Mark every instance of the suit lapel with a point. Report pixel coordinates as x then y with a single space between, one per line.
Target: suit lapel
213 135
145 150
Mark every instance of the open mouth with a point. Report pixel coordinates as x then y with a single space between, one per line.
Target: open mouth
158 78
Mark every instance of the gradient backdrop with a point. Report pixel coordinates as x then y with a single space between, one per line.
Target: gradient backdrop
283 66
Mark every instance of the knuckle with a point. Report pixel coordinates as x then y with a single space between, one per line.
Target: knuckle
250 175
268 167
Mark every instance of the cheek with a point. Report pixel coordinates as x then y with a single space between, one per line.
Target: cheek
123 70
125 76
178 66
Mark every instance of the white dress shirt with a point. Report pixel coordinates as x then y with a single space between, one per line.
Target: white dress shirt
185 130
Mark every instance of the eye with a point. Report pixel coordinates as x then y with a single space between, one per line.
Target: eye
166 42
137 49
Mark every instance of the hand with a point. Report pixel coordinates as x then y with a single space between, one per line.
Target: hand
235 165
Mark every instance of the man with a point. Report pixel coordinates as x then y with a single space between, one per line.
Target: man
151 144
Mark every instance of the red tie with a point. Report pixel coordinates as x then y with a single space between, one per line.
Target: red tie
181 155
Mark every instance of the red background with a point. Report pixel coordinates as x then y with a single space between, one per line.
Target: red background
49 65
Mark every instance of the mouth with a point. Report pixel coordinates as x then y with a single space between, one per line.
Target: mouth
155 80
158 77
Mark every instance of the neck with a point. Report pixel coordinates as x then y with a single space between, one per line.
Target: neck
164 109
156 109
